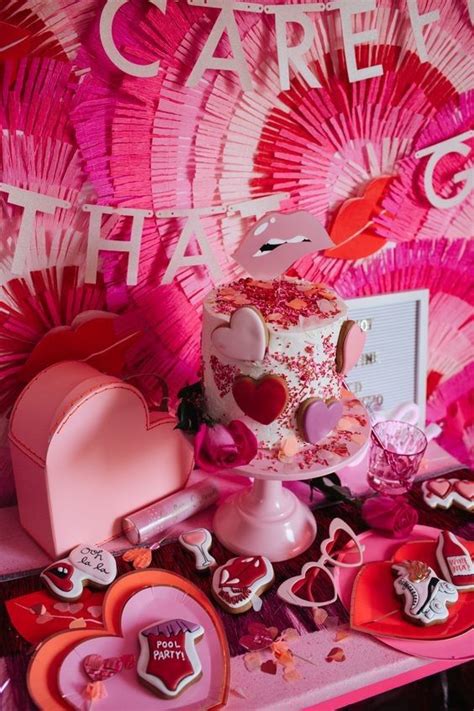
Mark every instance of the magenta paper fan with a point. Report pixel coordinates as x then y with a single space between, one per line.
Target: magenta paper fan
39 153
406 209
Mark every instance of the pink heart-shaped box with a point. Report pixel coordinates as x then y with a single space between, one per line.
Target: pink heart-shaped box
86 451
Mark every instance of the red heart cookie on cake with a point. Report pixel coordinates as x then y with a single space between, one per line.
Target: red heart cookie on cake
264 399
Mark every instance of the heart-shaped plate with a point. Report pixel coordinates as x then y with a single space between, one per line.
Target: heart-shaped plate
374 599
134 601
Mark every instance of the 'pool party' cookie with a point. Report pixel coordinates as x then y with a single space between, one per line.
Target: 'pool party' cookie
426 596
455 561
169 662
85 565
238 585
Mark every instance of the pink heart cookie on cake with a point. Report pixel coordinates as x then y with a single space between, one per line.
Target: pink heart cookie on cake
316 418
245 338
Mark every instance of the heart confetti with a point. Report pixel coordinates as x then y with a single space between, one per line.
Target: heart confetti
336 655
139 557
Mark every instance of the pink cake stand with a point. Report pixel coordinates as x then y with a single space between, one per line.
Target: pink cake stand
268 519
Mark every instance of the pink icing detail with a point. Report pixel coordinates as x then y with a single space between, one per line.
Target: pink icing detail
439 487
352 347
267 264
465 489
196 538
320 419
245 338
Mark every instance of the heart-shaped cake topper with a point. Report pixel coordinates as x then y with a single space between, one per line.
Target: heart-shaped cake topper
316 418
245 338
350 345
264 399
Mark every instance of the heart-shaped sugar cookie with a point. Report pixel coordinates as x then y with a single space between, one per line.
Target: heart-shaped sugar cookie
465 488
439 487
98 669
316 418
245 338
264 399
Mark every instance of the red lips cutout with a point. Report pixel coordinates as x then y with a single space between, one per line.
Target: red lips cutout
353 228
263 400
374 599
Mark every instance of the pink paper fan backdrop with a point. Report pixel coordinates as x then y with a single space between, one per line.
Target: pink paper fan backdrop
73 124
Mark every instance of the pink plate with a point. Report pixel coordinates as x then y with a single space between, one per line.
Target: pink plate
377 547
124 691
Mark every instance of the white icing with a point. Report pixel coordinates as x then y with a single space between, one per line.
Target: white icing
291 342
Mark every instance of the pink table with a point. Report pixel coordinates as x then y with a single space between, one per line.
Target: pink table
370 667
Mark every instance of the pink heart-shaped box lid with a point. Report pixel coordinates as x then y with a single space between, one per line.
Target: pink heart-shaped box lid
124 690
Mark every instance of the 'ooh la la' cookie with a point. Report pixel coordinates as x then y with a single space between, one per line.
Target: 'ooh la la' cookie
238 585
426 597
85 565
455 561
169 661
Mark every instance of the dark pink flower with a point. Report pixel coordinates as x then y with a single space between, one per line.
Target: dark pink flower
394 515
224 446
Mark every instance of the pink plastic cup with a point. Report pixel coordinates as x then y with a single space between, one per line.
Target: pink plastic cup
397 449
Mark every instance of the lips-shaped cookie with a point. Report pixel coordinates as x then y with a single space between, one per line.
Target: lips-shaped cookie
135 600
376 609
278 240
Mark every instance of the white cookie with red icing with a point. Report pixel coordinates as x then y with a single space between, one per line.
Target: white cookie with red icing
444 493
169 661
85 565
426 597
238 585
455 561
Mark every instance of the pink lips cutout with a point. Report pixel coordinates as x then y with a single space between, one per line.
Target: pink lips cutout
278 240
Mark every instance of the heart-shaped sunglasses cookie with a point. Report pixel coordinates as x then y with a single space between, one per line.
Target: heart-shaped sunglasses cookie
302 590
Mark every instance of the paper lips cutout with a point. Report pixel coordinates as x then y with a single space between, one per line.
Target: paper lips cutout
56 671
374 599
317 418
278 240
91 337
245 338
263 400
353 230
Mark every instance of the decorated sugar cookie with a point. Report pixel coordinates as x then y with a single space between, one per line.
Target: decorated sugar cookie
426 597
238 585
264 399
444 493
245 338
85 565
169 661
316 418
350 345
198 542
455 561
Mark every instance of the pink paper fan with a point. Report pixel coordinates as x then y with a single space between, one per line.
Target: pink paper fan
39 153
452 406
31 307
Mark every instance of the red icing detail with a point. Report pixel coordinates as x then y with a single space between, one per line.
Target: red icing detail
439 487
168 659
263 400
98 669
281 302
247 571
458 559
60 579
224 375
